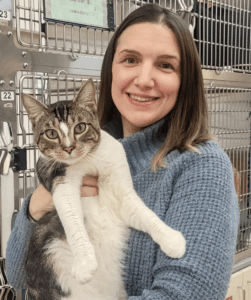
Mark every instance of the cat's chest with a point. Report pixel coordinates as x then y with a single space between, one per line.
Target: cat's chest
90 208
102 220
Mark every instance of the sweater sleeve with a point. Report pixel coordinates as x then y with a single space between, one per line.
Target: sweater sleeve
204 208
16 247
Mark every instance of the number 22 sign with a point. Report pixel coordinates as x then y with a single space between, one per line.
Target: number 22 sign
7 96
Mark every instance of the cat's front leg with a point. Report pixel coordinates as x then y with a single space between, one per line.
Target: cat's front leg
66 198
137 215
84 268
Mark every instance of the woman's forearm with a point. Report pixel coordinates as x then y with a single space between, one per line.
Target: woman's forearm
16 247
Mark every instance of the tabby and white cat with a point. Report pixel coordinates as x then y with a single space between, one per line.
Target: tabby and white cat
76 252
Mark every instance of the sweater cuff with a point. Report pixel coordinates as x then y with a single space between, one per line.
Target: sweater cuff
29 216
24 214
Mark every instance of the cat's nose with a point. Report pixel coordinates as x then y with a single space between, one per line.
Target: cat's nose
68 150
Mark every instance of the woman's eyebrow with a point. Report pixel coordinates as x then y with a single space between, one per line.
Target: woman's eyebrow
129 51
164 56
169 56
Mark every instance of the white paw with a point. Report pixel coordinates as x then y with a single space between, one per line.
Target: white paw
84 269
174 245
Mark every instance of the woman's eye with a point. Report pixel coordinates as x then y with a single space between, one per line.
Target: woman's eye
80 128
130 60
166 66
51 134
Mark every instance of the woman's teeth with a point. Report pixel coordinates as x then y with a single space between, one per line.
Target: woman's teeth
141 99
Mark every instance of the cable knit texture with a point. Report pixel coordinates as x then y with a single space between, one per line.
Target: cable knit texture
195 194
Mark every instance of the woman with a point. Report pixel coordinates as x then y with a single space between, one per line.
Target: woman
152 100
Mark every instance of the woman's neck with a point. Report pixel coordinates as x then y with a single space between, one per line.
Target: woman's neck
128 128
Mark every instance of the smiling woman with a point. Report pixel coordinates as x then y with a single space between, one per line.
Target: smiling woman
146 79
152 54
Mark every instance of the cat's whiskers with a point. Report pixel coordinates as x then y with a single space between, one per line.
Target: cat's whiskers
89 157
55 163
48 160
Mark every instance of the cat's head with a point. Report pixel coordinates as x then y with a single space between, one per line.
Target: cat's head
66 130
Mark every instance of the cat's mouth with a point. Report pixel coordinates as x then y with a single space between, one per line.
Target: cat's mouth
63 157
74 156
67 160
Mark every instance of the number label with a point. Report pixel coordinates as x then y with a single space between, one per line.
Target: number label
7 96
4 15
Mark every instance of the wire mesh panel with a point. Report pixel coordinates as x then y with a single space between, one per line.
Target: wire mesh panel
33 31
230 121
48 89
223 34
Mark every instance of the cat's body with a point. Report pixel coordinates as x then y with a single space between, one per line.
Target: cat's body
83 259
106 229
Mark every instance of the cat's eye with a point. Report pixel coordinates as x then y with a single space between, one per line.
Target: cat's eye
80 128
51 134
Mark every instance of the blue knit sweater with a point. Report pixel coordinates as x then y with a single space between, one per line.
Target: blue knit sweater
195 194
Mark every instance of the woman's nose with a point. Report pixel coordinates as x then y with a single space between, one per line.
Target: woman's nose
144 76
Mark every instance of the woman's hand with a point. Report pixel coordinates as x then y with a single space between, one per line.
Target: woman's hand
41 200
90 186
40 203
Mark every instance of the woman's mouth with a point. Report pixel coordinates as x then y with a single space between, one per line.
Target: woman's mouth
142 99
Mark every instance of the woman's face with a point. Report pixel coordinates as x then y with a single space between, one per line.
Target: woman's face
145 75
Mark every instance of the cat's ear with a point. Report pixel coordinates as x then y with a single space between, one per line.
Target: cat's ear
34 108
86 94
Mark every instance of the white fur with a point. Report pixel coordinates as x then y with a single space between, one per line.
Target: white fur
65 130
97 227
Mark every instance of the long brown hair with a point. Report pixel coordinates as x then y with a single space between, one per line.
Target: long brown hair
187 123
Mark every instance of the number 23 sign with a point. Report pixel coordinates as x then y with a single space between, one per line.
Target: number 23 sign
4 15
